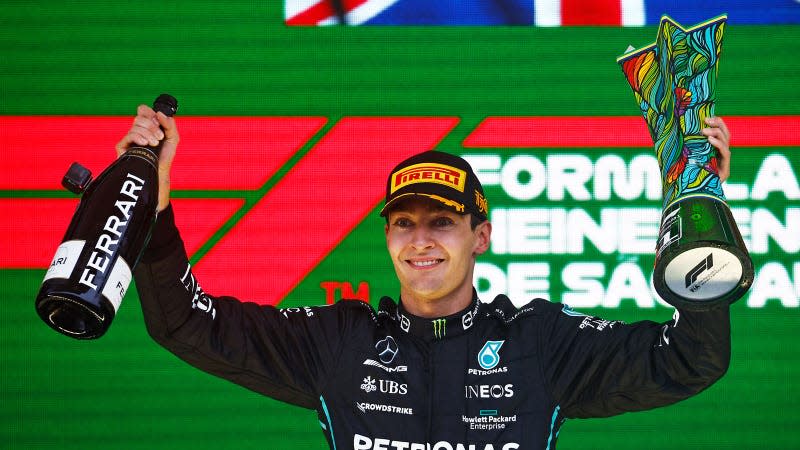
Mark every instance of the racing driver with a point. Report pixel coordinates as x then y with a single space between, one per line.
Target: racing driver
439 369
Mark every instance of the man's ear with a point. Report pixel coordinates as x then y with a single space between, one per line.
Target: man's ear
484 234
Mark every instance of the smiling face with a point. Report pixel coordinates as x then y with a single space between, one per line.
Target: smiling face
433 250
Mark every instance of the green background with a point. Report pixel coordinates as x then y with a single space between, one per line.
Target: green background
226 58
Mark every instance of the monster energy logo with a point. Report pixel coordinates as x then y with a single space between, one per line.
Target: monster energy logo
439 328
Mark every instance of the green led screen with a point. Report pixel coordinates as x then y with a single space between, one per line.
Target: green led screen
544 114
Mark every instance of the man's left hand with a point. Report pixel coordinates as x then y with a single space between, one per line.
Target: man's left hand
720 138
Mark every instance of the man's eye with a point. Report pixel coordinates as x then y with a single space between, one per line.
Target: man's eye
443 222
402 223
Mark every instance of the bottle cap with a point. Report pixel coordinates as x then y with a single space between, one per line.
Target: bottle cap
167 104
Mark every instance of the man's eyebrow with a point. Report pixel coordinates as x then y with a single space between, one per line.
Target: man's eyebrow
431 208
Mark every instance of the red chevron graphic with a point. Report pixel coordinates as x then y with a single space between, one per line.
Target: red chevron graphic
314 206
38 150
32 229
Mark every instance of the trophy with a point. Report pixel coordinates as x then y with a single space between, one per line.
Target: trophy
701 260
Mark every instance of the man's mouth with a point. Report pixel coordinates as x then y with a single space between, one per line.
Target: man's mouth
424 263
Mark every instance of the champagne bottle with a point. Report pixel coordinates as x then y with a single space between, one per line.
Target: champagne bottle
91 270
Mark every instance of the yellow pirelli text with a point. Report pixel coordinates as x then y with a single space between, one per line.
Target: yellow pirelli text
429 173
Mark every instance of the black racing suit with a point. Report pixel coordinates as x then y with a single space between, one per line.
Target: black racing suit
490 377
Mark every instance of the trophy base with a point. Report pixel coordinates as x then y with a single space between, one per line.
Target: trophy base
702 261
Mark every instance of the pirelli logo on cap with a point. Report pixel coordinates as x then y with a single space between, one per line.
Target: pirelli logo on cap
429 173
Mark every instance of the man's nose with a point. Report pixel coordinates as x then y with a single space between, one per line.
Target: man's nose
422 238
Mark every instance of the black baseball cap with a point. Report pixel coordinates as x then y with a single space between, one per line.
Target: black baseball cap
441 176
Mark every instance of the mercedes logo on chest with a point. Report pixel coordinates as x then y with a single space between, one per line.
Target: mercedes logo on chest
387 349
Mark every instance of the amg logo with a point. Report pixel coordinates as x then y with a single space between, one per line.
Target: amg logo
429 173
704 265
372 362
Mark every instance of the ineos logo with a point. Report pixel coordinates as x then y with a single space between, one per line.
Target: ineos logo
489 391
387 349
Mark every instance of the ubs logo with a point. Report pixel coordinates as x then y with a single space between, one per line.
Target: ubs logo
387 349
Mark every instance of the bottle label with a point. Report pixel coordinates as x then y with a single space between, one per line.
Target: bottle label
64 262
145 154
117 283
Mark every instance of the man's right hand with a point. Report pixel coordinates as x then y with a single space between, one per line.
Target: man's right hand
147 130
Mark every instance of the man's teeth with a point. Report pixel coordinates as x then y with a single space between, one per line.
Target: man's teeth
425 263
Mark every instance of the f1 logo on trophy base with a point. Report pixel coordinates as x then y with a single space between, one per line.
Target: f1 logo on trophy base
701 259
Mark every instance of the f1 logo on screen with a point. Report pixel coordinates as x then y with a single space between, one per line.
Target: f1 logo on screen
226 159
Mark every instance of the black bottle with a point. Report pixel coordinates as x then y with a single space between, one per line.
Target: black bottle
91 270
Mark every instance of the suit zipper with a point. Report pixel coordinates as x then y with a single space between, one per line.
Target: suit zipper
431 378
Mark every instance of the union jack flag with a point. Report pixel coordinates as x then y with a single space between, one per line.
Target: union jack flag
547 13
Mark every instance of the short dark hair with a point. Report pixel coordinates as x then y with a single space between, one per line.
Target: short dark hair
474 221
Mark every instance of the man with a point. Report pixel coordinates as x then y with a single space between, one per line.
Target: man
440 369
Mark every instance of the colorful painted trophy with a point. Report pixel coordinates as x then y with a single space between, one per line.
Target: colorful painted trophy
701 260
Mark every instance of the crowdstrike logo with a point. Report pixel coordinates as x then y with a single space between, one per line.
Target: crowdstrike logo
364 407
489 356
